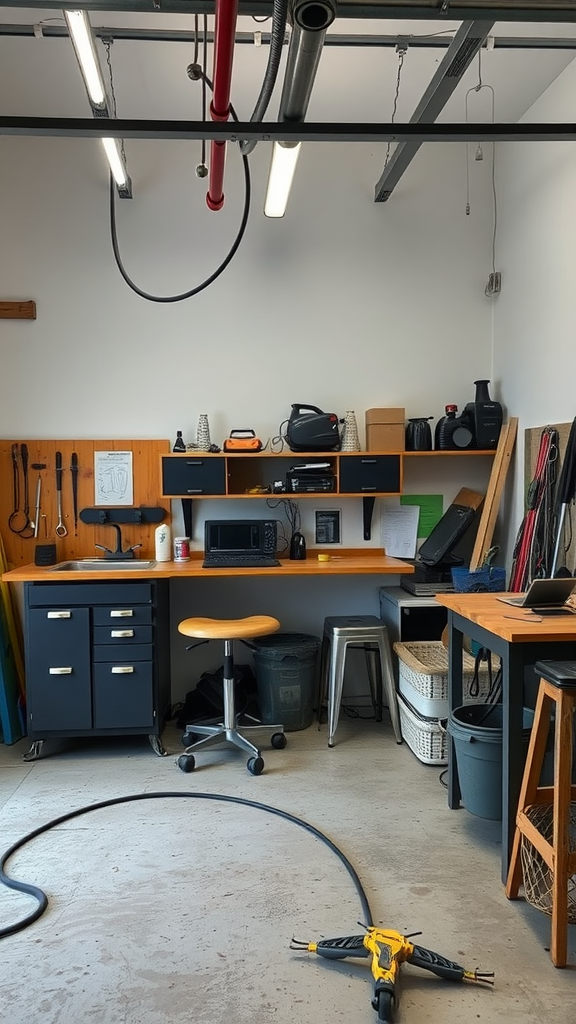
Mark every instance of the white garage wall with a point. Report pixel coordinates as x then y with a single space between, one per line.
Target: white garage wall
534 317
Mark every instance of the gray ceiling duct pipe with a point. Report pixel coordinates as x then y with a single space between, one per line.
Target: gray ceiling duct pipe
310 19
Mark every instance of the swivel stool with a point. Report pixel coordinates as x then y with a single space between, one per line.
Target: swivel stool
545 818
229 731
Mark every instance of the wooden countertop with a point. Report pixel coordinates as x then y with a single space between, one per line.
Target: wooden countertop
363 562
516 625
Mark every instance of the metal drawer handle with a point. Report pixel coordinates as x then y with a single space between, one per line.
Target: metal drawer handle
60 671
122 613
368 462
194 462
367 488
121 670
121 632
58 615
195 490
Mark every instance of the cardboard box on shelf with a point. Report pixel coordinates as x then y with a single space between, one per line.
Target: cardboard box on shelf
385 430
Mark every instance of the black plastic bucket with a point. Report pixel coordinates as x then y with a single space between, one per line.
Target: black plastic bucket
287 666
477 733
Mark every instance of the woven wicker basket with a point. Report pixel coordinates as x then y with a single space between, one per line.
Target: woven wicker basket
423 677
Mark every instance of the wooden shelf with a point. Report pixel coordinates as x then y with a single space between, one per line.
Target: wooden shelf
449 453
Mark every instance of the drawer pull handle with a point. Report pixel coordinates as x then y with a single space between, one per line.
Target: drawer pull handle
194 462
368 462
368 488
121 670
195 490
58 615
122 613
60 671
121 632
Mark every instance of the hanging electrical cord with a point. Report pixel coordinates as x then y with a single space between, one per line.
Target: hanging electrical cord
401 50
534 543
42 899
277 36
219 270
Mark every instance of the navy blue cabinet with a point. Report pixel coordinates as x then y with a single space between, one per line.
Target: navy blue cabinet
97 659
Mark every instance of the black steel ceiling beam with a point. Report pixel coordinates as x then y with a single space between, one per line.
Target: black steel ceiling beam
304 131
457 59
544 11
337 39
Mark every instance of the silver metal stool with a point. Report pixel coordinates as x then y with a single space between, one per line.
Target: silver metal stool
369 632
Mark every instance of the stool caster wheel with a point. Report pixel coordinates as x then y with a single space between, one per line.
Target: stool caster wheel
255 765
188 738
186 763
278 741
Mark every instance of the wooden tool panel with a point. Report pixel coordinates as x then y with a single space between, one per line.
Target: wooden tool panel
80 538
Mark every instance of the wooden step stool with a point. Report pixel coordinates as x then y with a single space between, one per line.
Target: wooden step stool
557 687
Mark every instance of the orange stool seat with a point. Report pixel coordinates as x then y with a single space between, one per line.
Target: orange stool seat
229 730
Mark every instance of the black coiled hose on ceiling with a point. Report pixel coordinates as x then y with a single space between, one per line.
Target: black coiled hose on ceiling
279 18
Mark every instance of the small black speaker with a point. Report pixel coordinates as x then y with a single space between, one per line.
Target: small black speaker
45 554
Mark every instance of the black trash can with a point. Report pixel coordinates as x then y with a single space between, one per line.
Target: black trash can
287 667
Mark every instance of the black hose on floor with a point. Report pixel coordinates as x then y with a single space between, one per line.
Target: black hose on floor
40 896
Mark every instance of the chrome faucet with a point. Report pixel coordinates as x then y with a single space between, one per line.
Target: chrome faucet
119 553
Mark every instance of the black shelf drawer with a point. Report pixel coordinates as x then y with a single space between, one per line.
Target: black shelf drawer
370 474
189 475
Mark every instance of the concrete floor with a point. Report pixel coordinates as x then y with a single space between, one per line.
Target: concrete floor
182 910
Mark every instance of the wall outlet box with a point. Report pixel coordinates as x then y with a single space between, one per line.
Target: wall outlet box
494 285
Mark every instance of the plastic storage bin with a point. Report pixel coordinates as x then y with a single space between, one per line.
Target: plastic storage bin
477 733
287 667
423 677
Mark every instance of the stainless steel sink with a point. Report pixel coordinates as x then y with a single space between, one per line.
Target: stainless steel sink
107 564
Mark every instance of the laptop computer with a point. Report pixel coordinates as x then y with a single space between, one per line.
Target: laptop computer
549 594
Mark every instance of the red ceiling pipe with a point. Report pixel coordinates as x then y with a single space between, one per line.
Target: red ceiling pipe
224 36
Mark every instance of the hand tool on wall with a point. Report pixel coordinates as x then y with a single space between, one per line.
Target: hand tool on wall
19 519
61 530
388 950
37 510
74 478
36 524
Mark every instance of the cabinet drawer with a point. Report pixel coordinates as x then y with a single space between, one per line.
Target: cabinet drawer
124 633
369 474
118 617
123 696
193 474
110 593
114 651
58 670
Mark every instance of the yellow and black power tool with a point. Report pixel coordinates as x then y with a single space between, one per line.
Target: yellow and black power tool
388 950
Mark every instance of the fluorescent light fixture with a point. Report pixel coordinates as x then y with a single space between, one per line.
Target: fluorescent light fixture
83 41
284 159
114 156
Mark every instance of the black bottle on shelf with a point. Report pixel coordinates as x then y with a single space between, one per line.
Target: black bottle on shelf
451 432
179 445
484 417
